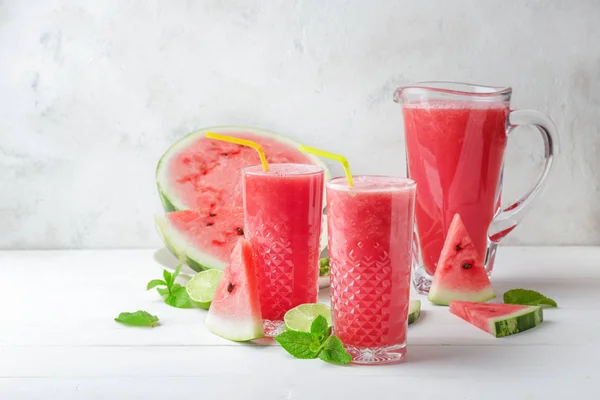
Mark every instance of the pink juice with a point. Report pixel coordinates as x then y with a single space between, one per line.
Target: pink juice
282 212
455 153
370 229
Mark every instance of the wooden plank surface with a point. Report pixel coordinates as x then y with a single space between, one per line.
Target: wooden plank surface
59 340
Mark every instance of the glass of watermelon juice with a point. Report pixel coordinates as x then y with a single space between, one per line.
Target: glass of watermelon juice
370 227
455 137
282 218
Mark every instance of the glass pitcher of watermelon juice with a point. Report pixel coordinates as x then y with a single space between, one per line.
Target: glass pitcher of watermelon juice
282 218
455 136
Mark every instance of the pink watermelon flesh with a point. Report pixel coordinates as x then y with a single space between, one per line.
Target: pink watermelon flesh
198 240
203 176
459 274
498 319
235 310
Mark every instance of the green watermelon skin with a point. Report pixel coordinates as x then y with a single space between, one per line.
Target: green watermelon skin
166 203
519 324
499 320
184 249
459 274
414 311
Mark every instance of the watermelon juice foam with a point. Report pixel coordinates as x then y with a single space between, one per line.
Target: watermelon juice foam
282 214
370 228
455 153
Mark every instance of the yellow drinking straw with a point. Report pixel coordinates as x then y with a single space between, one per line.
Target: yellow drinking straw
243 142
333 156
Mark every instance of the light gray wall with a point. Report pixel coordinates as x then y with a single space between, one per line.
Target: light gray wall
92 93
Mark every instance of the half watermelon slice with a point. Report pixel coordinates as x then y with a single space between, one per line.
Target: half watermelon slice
234 313
199 183
198 173
498 319
459 274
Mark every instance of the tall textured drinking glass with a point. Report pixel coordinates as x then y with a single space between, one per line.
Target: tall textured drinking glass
456 135
370 227
282 213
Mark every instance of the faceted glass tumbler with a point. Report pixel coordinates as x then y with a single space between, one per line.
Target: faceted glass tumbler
370 227
282 216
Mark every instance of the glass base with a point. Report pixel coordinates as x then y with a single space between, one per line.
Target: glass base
377 355
273 328
421 280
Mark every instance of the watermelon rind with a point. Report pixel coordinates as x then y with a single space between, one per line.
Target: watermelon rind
414 311
443 297
171 202
235 328
235 314
516 322
183 249
502 324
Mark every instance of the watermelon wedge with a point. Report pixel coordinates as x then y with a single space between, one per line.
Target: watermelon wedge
414 311
498 319
199 183
459 275
234 313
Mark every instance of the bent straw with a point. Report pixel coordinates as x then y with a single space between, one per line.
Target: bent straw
333 156
243 142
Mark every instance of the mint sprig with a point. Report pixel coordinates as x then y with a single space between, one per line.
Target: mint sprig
173 293
319 329
319 342
138 318
333 351
527 297
299 344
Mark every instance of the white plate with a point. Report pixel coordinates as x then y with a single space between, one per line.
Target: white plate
164 257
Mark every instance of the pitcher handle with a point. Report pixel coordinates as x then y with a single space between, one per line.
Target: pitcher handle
508 218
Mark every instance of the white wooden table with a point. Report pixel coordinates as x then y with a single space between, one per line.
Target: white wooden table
58 339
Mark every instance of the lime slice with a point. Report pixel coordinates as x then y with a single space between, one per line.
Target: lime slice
201 288
414 311
301 317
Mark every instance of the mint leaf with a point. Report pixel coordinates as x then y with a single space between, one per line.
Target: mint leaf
183 299
178 297
299 344
334 352
324 267
173 293
176 273
171 300
548 302
527 297
154 283
320 328
138 318
168 278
